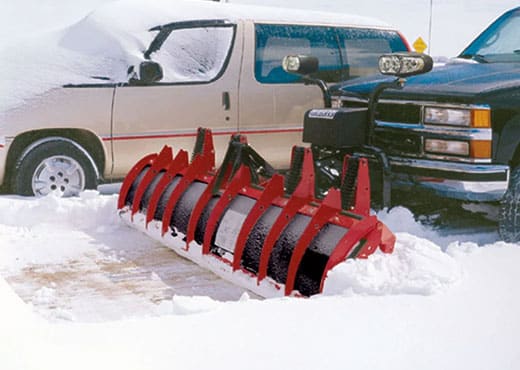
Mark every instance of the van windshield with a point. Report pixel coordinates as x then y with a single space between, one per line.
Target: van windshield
194 54
499 42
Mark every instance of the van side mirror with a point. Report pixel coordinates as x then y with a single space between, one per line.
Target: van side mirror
405 64
300 64
149 72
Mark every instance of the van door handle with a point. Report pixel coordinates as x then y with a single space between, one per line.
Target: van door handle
225 100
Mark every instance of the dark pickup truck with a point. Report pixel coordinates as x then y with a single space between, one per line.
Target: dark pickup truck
456 130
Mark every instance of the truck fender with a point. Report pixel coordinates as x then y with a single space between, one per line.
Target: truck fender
508 146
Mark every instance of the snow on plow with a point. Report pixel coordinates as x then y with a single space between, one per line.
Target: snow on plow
249 224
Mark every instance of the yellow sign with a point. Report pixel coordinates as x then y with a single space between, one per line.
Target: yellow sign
419 45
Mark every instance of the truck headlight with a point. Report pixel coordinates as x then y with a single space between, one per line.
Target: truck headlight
336 103
480 118
447 147
405 64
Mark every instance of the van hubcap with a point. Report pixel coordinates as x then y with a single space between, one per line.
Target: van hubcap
60 174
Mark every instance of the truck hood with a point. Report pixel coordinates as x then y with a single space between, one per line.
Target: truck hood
459 80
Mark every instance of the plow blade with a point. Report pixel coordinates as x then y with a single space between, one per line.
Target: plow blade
249 224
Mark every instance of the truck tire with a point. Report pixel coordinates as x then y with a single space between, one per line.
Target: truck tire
54 165
509 214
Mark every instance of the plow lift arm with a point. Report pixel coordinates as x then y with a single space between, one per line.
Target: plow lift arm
335 132
248 223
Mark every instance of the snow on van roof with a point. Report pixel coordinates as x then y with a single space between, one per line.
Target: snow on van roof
270 14
115 35
167 11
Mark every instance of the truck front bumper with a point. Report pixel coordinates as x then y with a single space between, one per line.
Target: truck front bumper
464 181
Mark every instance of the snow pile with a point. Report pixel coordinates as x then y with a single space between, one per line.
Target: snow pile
192 305
29 226
400 219
88 211
417 266
45 295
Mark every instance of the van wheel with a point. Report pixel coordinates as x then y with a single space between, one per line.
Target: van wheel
509 214
56 165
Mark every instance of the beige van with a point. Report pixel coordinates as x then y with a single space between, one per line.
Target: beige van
220 70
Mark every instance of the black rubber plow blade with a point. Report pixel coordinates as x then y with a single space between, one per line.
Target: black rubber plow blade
249 224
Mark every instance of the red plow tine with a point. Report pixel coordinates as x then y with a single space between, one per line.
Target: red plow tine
329 208
131 177
204 146
273 189
178 164
202 163
197 211
160 163
289 210
198 168
302 195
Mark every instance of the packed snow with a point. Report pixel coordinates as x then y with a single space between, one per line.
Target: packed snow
79 289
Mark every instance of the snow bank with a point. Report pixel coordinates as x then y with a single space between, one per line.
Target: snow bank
29 226
88 211
400 219
417 266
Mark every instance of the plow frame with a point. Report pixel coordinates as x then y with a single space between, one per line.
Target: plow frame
245 173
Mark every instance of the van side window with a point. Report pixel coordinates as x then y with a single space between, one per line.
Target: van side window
361 48
273 42
195 54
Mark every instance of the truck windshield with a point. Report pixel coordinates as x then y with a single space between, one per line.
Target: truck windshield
499 42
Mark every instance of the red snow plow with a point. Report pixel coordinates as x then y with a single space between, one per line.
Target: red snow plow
274 234
249 224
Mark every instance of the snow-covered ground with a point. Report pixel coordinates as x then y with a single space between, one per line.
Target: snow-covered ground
79 289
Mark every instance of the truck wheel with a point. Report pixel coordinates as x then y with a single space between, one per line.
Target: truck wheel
54 165
509 215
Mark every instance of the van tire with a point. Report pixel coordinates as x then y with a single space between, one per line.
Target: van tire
54 164
509 213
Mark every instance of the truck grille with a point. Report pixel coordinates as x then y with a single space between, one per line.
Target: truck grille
391 112
398 143
399 113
